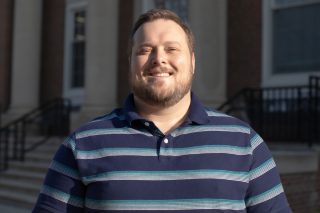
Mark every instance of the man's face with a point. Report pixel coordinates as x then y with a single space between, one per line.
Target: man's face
161 63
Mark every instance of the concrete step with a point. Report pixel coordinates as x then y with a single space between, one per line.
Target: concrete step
18 199
21 184
39 156
12 208
23 176
29 188
41 167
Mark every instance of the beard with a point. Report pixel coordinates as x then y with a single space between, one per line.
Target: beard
150 91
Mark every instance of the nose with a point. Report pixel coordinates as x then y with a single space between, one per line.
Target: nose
158 57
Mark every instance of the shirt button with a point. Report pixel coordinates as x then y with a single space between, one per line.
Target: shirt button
146 124
166 140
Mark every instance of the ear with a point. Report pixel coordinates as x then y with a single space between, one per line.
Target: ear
193 62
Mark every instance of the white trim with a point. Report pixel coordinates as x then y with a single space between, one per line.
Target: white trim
293 3
270 79
75 95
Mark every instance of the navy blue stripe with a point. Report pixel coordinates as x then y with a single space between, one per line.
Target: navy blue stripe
204 161
49 204
63 157
270 179
117 141
61 182
184 189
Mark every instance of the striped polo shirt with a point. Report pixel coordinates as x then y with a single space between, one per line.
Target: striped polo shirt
121 162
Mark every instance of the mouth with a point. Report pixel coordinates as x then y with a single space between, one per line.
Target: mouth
161 73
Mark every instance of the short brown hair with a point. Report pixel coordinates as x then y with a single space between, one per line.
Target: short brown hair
165 14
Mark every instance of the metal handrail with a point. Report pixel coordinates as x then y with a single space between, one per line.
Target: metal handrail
50 119
290 113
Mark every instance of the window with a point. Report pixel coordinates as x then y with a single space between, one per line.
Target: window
296 36
75 51
178 6
78 50
291 41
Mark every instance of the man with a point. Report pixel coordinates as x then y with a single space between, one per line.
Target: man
163 151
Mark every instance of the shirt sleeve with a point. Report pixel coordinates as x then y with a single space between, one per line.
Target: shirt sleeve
265 193
63 190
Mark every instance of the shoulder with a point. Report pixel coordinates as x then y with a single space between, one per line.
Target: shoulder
218 117
109 120
113 120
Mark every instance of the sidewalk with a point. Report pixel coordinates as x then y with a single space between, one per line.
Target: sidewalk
11 209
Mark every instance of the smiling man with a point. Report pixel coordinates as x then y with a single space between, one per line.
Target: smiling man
163 151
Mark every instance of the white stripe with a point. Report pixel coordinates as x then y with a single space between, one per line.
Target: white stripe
262 169
168 175
62 196
268 195
185 204
256 141
216 114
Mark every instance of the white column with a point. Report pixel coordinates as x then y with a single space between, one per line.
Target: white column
101 60
208 22
26 57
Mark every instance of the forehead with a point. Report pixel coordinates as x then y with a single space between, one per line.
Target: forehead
160 30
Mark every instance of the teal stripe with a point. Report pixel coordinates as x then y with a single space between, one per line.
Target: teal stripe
211 128
58 167
273 192
109 117
108 152
168 175
262 169
178 204
255 142
216 114
110 131
206 149
69 143
62 196
146 152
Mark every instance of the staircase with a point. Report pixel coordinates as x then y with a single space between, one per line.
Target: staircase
21 183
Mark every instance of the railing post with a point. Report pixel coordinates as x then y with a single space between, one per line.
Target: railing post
22 140
15 141
313 108
0 115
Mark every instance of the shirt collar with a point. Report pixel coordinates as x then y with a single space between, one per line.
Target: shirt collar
197 113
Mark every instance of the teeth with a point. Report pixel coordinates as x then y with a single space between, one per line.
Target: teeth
161 74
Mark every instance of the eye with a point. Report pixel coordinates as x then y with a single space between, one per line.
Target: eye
144 51
171 49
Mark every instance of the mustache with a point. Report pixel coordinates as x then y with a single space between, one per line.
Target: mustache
158 69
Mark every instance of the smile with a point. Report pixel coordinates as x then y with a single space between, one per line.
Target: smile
161 74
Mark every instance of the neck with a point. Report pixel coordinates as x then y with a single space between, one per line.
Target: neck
165 118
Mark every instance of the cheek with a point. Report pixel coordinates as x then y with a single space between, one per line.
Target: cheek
138 64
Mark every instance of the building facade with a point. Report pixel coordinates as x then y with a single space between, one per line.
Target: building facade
76 49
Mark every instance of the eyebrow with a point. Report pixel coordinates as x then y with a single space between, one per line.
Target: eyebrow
147 44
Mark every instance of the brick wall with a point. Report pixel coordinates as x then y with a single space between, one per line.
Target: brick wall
6 25
243 45
302 190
